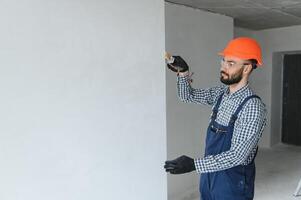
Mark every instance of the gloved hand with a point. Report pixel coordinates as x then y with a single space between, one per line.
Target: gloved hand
180 165
176 63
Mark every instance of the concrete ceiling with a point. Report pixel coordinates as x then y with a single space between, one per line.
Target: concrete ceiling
252 14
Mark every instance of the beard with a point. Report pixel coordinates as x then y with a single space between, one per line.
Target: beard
229 80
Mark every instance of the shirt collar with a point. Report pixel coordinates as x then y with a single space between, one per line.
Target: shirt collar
237 93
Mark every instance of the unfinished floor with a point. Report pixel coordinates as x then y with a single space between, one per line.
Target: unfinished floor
278 173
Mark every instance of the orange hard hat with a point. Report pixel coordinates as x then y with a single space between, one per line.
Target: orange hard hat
244 48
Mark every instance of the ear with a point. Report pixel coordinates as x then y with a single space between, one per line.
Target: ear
248 68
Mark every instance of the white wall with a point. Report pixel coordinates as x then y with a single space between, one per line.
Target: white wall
267 81
82 100
197 36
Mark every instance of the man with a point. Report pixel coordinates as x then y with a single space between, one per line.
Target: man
237 122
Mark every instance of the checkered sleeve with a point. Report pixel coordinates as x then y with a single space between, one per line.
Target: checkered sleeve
188 94
247 132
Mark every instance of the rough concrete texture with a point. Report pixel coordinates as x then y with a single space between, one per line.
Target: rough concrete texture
255 14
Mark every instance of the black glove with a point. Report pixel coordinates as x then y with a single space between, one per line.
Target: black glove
178 65
180 165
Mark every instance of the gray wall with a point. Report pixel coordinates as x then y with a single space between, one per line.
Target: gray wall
197 36
276 98
277 40
267 81
83 112
241 32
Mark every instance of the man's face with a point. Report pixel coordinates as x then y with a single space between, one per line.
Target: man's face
232 70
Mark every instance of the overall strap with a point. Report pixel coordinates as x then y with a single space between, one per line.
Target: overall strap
234 116
215 109
254 156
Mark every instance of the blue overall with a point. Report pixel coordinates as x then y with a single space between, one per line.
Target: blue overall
236 183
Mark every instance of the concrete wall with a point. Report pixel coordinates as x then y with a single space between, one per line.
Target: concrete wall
273 41
276 98
268 80
83 112
241 32
197 36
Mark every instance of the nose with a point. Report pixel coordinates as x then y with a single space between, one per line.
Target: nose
223 68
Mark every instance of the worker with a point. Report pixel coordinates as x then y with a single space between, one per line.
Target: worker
236 124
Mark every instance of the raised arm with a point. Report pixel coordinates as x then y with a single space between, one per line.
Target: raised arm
185 92
188 94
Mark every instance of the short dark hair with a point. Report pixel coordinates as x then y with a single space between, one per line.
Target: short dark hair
253 63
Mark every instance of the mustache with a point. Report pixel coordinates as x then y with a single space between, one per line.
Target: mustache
222 72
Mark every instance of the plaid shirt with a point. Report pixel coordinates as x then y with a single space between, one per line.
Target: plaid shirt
248 127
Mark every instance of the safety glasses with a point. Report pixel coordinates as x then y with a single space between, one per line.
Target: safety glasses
231 63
